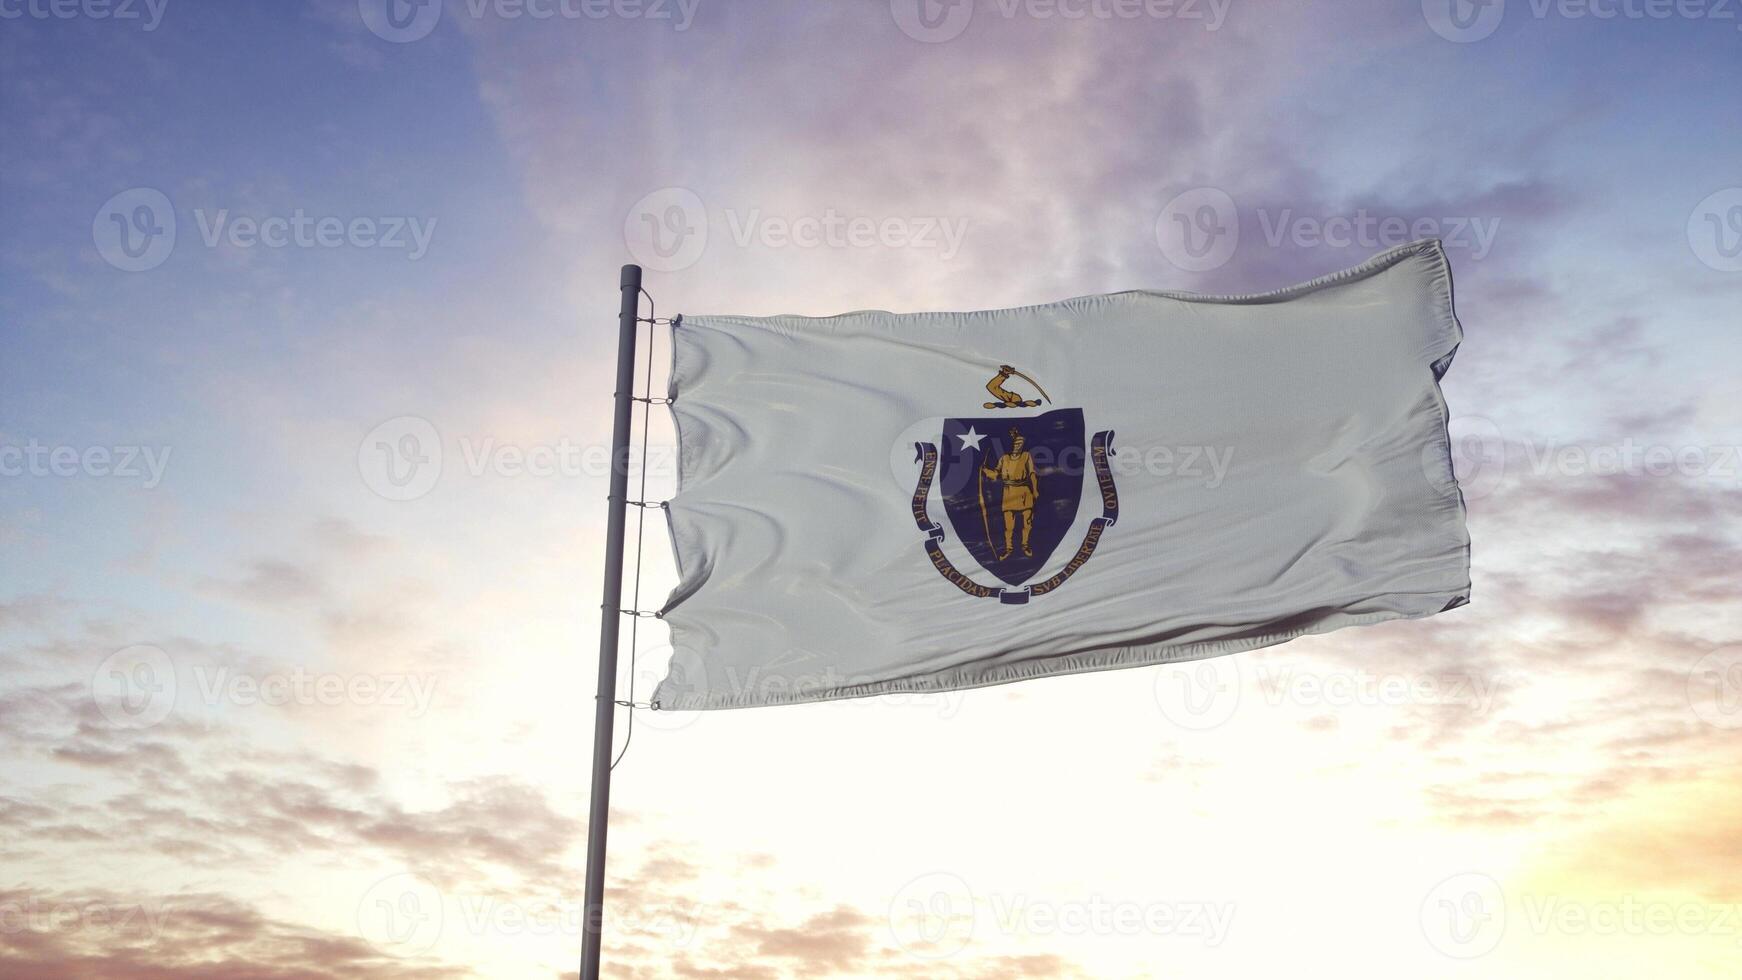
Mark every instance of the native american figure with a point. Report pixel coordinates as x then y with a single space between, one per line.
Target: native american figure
1020 489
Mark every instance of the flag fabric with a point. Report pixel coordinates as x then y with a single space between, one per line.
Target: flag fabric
874 502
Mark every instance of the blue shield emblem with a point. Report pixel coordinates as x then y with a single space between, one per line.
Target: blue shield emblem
1011 487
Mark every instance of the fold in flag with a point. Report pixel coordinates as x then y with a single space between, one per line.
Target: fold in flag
876 502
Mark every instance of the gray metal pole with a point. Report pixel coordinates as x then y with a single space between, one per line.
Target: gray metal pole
610 616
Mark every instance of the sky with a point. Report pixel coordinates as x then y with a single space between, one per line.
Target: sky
308 326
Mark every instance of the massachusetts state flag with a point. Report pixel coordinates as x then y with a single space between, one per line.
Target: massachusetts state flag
878 502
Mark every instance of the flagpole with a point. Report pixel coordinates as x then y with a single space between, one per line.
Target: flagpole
610 615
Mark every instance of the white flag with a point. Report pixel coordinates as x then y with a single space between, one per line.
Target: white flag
879 502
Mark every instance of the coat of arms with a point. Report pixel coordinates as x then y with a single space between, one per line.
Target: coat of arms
1011 486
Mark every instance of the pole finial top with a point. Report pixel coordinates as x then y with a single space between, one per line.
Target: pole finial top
631 277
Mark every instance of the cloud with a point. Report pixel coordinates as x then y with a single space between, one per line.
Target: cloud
1680 834
272 583
29 611
85 935
833 940
196 791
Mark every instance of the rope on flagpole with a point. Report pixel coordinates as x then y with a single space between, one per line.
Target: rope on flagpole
647 401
